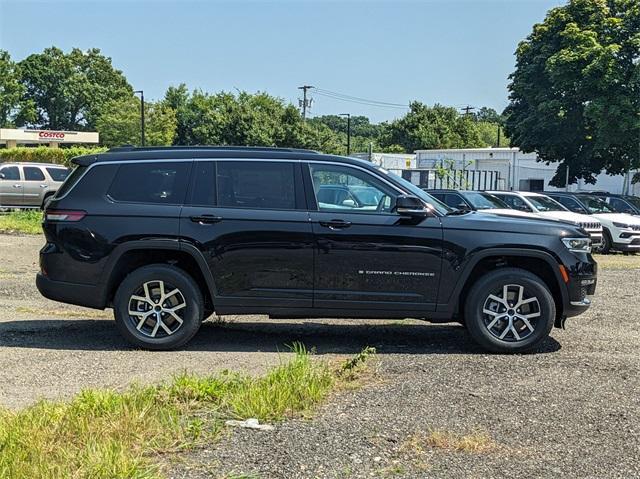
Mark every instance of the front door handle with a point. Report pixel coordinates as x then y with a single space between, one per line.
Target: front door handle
206 219
17 186
335 224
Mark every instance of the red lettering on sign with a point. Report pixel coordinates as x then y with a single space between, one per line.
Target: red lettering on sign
57 135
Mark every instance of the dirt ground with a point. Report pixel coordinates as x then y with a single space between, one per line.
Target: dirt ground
570 410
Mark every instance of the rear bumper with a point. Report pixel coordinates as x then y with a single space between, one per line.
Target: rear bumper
90 296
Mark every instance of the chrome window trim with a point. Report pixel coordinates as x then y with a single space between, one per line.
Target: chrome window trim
278 160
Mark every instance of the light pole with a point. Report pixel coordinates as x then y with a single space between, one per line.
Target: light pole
141 114
348 115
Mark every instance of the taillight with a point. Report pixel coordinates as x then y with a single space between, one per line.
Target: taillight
64 215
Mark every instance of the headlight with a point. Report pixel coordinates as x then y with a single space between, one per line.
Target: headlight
624 226
578 245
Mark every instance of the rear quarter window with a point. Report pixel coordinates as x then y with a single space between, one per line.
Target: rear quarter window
58 174
160 182
71 181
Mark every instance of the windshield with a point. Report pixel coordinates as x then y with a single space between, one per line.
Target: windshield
484 201
634 200
440 207
544 203
596 205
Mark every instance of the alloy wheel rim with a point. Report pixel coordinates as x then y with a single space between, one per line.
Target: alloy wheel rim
511 314
156 309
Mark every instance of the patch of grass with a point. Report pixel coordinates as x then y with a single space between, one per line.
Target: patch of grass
25 222
475 442
109 434
618 261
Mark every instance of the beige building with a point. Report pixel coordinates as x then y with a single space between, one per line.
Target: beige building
13 137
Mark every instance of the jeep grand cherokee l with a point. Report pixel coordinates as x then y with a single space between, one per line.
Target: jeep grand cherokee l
166 236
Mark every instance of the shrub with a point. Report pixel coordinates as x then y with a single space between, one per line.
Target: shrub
43 154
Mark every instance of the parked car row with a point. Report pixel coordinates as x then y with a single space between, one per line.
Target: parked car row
29 185
612 221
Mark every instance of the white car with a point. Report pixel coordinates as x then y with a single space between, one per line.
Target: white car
620 230
542 205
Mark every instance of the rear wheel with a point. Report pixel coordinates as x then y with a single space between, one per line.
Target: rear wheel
158 307
509 310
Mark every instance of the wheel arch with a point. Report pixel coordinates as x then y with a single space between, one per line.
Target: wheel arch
540 263
132 255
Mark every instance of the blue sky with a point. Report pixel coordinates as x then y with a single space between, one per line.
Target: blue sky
450 52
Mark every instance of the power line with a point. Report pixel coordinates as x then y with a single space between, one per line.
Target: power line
404 107
356 98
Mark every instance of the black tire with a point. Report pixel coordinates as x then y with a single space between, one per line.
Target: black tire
607 242
478 322
190 307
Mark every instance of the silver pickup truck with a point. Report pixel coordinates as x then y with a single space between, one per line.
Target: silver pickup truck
29 185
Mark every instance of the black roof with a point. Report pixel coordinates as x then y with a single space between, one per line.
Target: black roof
187 152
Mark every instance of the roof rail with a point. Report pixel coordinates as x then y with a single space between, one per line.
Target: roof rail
125 148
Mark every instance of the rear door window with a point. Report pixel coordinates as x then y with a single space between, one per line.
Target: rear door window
161 182
33 173
256 184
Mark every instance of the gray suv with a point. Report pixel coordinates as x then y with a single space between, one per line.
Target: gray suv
29 185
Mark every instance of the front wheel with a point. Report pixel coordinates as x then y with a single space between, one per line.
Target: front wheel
158 307
509 310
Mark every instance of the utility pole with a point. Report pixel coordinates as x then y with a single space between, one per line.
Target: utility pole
348 115
304 103
467 109
141 115
498 145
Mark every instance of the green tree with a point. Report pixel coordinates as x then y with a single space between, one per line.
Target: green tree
119 123
575 92
13 107
488 132
489 115
243 119
425 127
69 90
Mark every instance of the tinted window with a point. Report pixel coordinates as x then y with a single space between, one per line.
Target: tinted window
10 173
484 201
455 201
256 184
71 180
33 173
570 203
161 182
343 188
596 205
515 202
544 203
622 206
58 174
204 183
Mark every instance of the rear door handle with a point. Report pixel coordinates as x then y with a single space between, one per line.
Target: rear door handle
206 219
17 186
335 224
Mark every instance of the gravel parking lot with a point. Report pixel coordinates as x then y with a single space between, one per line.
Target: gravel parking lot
571 410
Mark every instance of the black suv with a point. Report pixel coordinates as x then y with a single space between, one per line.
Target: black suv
166 236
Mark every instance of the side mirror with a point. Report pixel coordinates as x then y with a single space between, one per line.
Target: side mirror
463 207
410 205
2 176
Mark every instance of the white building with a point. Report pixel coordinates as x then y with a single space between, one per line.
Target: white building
517 170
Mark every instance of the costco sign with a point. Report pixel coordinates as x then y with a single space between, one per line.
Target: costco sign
51 135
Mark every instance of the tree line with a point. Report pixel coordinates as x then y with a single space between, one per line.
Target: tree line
82 90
